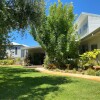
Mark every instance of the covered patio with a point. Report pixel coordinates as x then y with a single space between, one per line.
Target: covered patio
91 41
36 55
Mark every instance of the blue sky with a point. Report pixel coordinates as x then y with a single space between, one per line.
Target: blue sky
89 6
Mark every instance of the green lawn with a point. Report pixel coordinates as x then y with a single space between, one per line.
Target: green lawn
28 84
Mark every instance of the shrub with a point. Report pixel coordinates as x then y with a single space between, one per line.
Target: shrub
48 64
27 60
91 72
6 62
72 63
89 59
18 61
66 71
98 73
74 70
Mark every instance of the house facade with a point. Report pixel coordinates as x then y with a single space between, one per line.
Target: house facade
16 50
88 28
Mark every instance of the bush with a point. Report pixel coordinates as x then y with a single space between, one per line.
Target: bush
6 62
18 61
89 59
48 64
74 70
98 73
72 63
27 60
91 72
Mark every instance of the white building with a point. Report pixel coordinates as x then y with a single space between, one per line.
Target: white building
16 50
88 27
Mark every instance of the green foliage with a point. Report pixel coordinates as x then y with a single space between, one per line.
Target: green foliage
18 14
98 73
56 34
91 72
4 42
46 61
27 60
89 58
74 70
18 61
6 62
48 64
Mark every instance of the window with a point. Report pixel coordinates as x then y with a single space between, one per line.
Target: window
79 31
15 50
22 53
85 26
93 46
84 48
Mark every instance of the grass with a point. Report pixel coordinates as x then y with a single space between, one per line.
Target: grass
27 84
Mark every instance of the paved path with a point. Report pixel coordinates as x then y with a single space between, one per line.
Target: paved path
41 69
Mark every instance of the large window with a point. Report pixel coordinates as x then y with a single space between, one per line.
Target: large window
15 50
80 31
93 46
83 29
85 26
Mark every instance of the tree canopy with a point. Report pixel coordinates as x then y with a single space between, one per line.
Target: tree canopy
18 14
57 34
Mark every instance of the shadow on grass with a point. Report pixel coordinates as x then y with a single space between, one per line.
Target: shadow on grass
37 87
11 70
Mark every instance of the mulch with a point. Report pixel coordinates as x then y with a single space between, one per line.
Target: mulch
41 69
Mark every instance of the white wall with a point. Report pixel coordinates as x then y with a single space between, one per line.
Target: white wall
81 24
95 40
94 23
11 52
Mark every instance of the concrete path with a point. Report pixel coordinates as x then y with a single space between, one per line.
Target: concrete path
41 69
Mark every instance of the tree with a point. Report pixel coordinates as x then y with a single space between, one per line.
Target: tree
57 34
17 15
4 40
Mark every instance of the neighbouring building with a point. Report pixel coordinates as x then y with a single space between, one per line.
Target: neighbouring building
16 50
35 54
